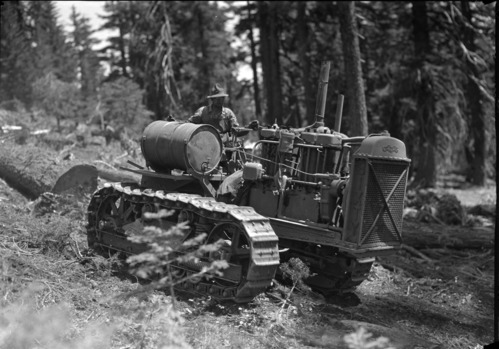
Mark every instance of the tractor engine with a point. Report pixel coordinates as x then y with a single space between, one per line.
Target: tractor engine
334 202
355 186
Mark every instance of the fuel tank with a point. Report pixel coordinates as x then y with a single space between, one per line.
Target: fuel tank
168 145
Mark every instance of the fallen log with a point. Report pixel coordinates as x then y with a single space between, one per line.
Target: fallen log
430 235
483 210
30 170
33 172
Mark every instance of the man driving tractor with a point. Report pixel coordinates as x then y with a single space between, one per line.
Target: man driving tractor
215 114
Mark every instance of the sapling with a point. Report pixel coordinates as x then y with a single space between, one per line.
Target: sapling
166 248
297 271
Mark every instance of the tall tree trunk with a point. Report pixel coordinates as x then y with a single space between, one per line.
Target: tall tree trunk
356 99
256 87
203 80
396 119
478 173
269 52
303 47
295 115
426 173
79 37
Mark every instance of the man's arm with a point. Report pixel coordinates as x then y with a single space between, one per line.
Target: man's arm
196 118
232 118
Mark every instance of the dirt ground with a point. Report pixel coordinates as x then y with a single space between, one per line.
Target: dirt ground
55 294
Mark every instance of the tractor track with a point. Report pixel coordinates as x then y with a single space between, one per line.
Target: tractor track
252 252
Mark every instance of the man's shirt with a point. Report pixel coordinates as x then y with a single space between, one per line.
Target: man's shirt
222 119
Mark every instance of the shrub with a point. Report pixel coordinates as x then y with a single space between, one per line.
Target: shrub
57 98
121 104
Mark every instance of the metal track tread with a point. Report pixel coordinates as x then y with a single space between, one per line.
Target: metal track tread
261 240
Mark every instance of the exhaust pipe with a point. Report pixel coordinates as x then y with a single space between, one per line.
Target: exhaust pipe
339 113
320 105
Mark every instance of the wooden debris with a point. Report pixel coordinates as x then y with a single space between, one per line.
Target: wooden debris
416 253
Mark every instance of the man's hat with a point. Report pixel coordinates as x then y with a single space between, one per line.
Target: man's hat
217 91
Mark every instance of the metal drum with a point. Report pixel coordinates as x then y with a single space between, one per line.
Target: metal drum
184 146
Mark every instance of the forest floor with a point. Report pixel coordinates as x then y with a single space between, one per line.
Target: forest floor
55 293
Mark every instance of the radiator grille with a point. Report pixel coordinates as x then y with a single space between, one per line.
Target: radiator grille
383 177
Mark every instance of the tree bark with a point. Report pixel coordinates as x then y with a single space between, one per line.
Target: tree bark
356 99
256 87
303 47
396 120
426 174
269 53
474 100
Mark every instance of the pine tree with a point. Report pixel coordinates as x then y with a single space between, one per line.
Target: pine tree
118 19
160 42
88 61
17 68
51 52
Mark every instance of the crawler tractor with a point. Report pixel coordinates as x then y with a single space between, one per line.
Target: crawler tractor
333 201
